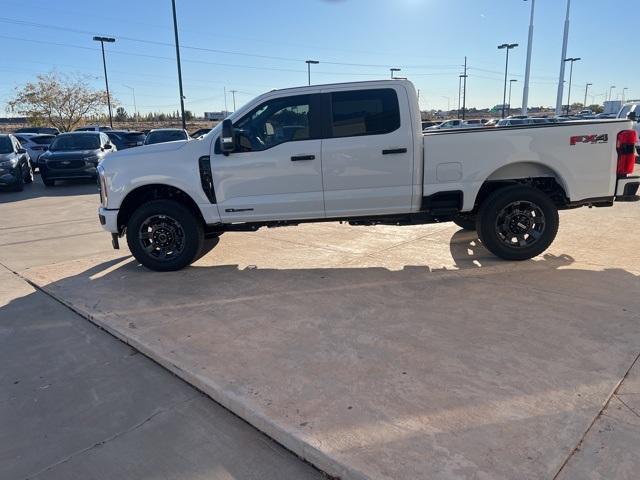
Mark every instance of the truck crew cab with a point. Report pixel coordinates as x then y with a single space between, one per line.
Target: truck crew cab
356 152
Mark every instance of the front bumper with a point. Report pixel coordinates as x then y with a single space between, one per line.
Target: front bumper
8 176
627 189
108 219
87 170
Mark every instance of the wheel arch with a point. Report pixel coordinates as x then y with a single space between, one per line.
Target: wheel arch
155 191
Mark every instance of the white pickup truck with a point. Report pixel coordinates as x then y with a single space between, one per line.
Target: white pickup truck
355 152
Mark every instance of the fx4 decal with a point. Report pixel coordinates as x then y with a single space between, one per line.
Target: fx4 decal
592 139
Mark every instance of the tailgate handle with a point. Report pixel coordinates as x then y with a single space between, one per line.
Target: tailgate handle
391 151
299 158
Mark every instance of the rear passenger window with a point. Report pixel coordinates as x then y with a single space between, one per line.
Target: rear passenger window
364 112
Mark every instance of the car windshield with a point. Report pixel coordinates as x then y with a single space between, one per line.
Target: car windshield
43 139
165 136
74 141
5 145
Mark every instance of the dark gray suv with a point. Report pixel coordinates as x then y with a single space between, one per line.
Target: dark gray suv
74 155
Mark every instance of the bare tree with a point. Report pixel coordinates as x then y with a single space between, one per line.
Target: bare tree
60 101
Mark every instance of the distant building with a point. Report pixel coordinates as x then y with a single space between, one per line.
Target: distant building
216 116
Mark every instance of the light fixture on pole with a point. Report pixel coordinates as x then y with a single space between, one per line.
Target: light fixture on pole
527 71
104 65
309 63
175 32
611 88
572 60
511 82
565 41
507 46
586 90
392 70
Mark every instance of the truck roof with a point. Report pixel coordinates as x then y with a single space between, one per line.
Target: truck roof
346 84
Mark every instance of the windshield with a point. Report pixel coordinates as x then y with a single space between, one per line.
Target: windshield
165 136
5 145
74 141
43 139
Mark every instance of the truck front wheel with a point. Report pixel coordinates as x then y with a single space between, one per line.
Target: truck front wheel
517 222
164 235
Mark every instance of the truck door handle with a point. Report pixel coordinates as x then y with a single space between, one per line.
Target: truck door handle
299 158
391 151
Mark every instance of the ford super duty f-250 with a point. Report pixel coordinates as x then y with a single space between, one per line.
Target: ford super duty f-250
356 152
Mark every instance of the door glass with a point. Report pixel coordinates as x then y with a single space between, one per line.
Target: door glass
364 112
274 122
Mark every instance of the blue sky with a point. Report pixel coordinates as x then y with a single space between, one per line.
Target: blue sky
353 40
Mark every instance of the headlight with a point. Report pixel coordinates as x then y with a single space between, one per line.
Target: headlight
104 188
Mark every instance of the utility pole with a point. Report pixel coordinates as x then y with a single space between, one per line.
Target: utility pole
226 111
459 93
135 108
233 92
507 46
175 31
570 77
611 88
309 63
586 90
527 71
106 79
464 89
565 40
511 82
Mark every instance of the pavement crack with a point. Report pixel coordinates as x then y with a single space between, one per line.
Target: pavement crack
626 405
595 419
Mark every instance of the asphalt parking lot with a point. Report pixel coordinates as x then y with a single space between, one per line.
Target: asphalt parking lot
371 352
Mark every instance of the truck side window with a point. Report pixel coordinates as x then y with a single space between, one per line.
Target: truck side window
274 122
364 112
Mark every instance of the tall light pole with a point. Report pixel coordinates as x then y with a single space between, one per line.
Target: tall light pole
106 79
511 82
611 91
565 41
309 63
527 71
464 89
586 90
507 46
572 60
393 70
623 92
175 32
135 108
459 93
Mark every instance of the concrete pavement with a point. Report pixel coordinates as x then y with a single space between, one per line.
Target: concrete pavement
380 352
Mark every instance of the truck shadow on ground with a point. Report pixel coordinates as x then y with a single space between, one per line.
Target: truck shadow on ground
490 355
63 188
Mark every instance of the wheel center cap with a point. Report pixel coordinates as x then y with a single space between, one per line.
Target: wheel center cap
519 224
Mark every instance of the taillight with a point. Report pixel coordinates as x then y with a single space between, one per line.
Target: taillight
626 146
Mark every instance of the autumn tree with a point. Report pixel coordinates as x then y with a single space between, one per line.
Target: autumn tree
59 101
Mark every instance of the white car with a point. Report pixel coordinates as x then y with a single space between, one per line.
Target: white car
35 144
355 152
455 123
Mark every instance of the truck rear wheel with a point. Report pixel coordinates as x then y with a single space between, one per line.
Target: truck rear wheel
517 223
164 235
466 222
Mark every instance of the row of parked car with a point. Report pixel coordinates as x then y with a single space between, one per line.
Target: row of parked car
63 156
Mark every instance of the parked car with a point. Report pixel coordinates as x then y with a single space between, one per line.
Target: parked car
93 128
456 123
35 145
279 161
124 139
430 123
74 155
39 130
163 135
200 132
15 164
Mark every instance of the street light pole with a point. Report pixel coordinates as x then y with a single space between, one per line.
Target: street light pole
464 89
510 85
586 90
570 78
527 71
392 70
565 41
459 93
611 91
135 108
175 31
309 63
623 92
507 46
106 79
233 93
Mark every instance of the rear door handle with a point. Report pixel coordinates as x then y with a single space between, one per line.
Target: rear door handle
300 158
391 151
